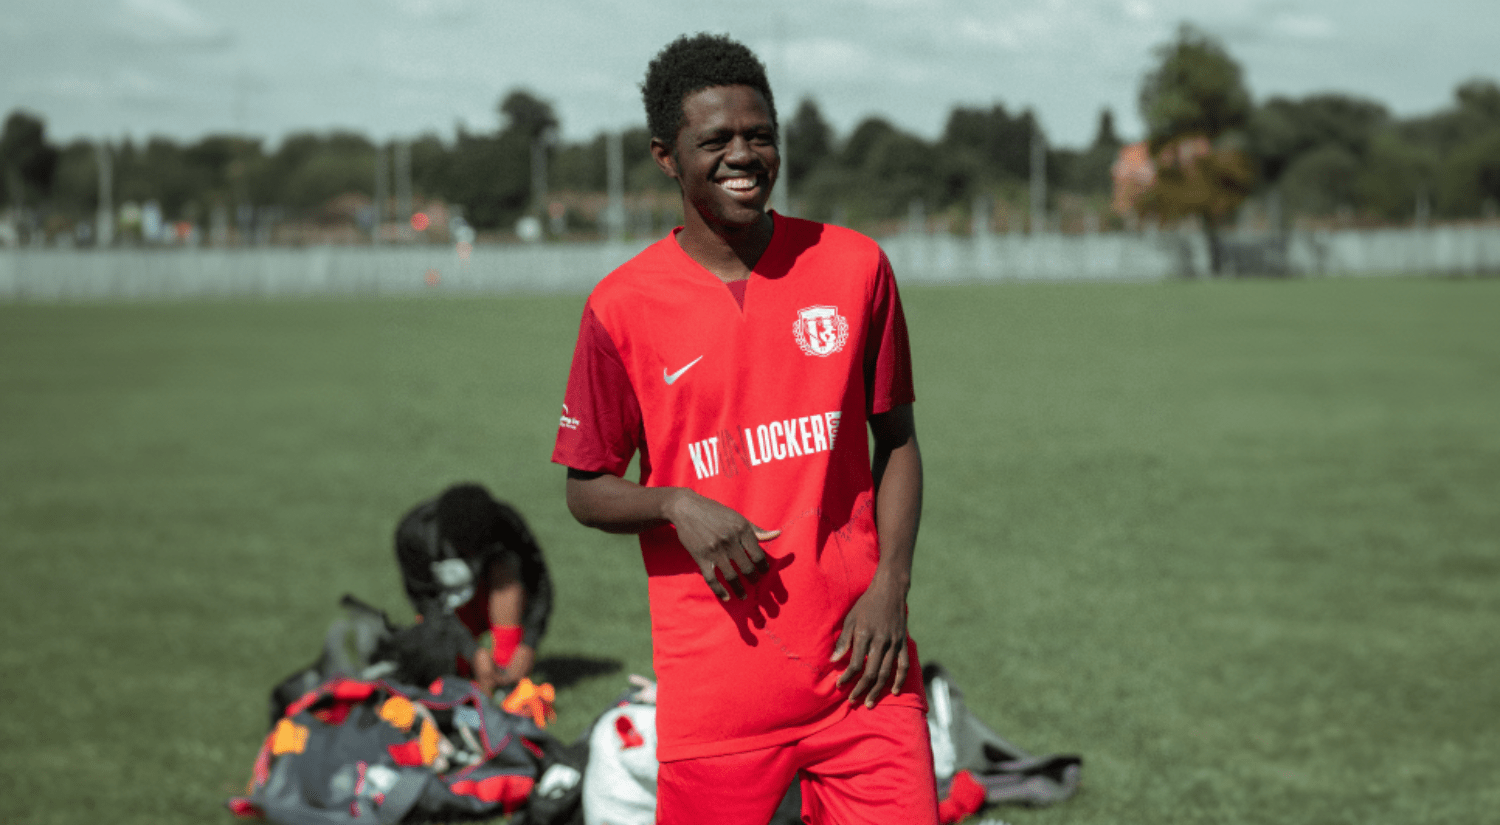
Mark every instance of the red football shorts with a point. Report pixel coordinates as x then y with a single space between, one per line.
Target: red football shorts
874 767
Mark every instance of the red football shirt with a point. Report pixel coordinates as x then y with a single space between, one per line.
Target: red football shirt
758 400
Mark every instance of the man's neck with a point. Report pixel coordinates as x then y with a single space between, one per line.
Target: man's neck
728 252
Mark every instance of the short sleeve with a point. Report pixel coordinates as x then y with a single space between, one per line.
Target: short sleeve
888 376
600 428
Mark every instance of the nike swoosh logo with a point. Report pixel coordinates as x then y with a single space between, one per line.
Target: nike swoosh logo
671 377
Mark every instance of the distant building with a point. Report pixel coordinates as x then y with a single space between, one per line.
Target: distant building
1134 170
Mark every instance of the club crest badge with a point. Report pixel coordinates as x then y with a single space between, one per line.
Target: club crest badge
820 331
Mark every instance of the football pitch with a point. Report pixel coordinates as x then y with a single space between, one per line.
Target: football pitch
1237 544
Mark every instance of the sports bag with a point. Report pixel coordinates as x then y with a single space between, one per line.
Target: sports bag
1008 774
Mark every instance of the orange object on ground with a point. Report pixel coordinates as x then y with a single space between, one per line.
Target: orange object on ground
531 699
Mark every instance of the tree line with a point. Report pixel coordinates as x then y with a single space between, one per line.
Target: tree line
1322 157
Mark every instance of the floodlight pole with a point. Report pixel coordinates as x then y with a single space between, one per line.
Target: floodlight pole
781 196
539 146
614 154
104 220
381 194
1038 180
403 188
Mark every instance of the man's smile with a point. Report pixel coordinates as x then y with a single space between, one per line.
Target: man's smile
740 184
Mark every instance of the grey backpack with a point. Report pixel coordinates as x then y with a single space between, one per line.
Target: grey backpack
1010 775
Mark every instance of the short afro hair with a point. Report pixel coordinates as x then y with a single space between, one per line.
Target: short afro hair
469 518
693 63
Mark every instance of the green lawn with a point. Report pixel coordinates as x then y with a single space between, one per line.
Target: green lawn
1237 544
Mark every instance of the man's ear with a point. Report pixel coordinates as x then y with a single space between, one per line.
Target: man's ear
665 160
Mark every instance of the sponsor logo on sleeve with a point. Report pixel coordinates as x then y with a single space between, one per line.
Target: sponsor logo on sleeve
567 422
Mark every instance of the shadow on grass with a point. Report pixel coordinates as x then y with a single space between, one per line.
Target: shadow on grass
566 671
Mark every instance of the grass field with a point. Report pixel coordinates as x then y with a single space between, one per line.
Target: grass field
1237 544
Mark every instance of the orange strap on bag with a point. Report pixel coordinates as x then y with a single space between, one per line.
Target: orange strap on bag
531 699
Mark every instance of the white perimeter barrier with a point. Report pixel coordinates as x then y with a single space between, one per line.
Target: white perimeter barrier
113 274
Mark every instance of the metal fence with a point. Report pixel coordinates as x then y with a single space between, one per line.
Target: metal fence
88 275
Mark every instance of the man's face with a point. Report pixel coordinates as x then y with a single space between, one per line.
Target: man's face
725 158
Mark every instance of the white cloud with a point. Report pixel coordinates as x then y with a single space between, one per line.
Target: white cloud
1138 9
990 33
170 22
830 58
1303 26
447 11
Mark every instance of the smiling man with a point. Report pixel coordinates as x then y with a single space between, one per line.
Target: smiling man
731 356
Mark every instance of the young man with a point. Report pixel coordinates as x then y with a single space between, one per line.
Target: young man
464 554
742 357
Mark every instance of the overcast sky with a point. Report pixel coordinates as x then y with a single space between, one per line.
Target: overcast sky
392 68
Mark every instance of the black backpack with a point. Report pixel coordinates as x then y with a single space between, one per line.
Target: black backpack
363 646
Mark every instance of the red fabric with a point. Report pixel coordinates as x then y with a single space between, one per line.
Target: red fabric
346 693
407 753
965 797
350 690
261 771
505 638
629 736
766 412
599 390
737 289
509 791
475 613
244 809
873 766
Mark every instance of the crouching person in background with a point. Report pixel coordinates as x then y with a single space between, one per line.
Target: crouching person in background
466 555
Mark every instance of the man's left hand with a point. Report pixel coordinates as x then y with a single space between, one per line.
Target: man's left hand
874 638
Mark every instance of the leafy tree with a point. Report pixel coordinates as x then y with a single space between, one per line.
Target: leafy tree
1395 174
75 186
1196 89
641 171
526 114
1089 171
879 171
1001 142
863 139
431 172
1282 129
1195 103
1470 176
1463 136
507 180
901 168
809 141
1105 138
1196 179
1480 97
27 161
491 177
230 170
582 167
1323 180
306 172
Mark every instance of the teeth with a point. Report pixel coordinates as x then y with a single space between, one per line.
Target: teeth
738 184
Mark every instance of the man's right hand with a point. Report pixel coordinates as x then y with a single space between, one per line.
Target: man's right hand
722 542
